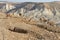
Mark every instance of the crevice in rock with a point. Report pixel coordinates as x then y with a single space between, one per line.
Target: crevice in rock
49 28
18 30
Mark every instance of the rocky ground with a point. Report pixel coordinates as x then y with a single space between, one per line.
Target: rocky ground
30 21
18 28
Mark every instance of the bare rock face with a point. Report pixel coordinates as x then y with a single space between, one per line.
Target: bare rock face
32 10
30 21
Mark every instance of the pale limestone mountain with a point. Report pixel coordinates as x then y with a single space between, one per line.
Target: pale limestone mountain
34 10
30 21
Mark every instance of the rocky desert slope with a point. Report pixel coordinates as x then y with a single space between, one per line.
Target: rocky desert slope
30 21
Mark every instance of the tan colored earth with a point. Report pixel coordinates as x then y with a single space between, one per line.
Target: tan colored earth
17 28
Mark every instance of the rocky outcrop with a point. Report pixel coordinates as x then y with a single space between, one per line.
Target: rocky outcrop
30 21
36 10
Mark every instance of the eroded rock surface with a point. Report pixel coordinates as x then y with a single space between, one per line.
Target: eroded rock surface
31 21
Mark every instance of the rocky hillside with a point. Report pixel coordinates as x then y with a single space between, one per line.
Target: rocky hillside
32 10
30 21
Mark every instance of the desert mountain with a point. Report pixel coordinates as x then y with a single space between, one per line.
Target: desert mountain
30 21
